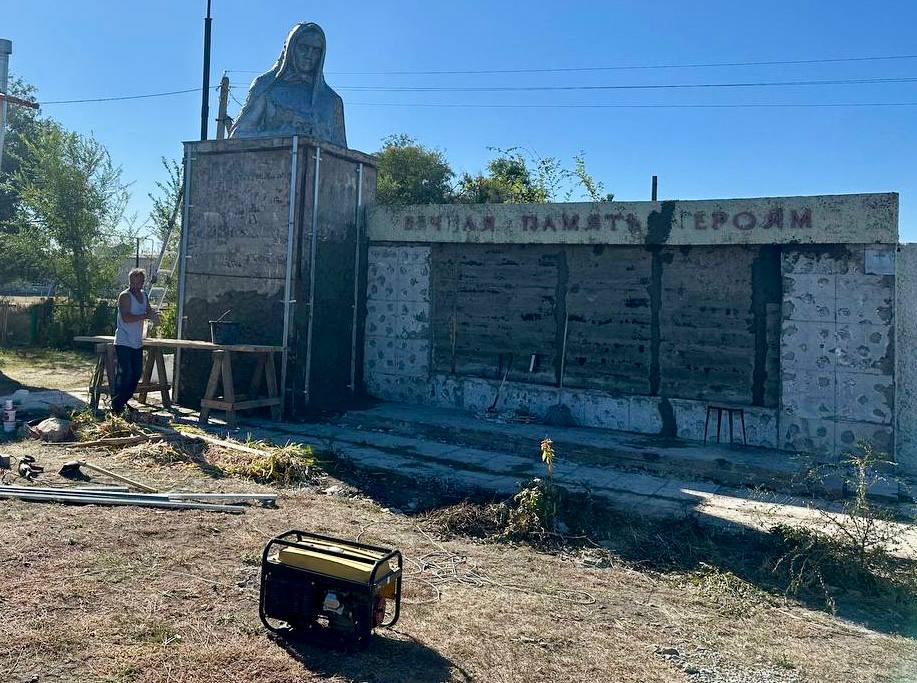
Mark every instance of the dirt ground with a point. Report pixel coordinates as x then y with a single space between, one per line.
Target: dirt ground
129 595
44 369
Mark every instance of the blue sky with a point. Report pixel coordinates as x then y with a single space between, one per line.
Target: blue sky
98 48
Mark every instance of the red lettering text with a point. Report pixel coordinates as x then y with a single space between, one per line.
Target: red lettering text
529 222
571 222
700 220
747 223
801 221
774 219
614 218
718 218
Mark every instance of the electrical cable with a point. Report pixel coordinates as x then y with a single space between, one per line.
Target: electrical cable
534 88
121 98
769 105
650 86
620 67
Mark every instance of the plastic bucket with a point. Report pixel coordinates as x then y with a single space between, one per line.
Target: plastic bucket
224 332
9 426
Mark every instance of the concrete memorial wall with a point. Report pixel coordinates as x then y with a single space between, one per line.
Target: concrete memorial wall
636 316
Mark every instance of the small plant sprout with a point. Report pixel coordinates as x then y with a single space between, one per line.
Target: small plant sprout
547 455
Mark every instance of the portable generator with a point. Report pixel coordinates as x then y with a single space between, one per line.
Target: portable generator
328 589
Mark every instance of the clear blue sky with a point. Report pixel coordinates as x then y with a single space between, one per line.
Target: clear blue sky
95 48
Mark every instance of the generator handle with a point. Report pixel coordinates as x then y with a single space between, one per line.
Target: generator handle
372 581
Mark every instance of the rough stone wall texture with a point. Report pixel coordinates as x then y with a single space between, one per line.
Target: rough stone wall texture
482 311
824 219
476 329
609 336
236 250
707 325
837 349
236 258
905 270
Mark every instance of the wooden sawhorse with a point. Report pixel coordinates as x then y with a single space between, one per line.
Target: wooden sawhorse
103 376
221 372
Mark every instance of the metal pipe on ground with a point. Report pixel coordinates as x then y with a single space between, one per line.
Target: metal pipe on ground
151 501
265 498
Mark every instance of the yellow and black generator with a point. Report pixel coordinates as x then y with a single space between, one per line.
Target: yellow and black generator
327 589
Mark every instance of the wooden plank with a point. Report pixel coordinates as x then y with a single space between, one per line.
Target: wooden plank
257 375
110 368
152 342
95 385
142 386
215 371
229 388
220 404
165 397
272 392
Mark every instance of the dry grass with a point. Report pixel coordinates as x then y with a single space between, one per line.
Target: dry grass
124 594
286 465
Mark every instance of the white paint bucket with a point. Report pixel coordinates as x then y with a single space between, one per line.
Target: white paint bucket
9 426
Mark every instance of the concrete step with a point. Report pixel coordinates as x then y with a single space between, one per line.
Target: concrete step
731 466
493 472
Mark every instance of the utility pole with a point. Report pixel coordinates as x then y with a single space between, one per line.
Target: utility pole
655 183
137 257
205 91
6 49
221 117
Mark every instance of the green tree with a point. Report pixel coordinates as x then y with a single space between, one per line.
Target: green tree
514 178
594 189
22 124
71 202
411 173
166 212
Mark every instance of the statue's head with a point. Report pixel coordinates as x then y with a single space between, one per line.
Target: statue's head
303 53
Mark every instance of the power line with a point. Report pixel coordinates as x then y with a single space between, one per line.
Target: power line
620 67
651 86
121 98
635 106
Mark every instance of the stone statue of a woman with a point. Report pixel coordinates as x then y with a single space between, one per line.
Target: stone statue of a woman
293 98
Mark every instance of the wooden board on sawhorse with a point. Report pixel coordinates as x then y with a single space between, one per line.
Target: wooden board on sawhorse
103 376
221 373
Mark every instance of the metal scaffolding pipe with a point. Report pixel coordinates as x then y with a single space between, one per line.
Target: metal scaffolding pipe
288 282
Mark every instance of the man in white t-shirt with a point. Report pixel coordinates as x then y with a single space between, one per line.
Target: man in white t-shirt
133 309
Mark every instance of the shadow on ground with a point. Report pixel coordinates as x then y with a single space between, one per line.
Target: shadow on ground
385 660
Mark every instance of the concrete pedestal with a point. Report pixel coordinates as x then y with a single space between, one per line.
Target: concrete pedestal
273 233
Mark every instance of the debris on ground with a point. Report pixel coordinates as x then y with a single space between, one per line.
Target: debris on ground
27 467
52 429
281 465
71 469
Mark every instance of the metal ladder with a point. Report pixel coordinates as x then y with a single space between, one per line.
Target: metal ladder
166 262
